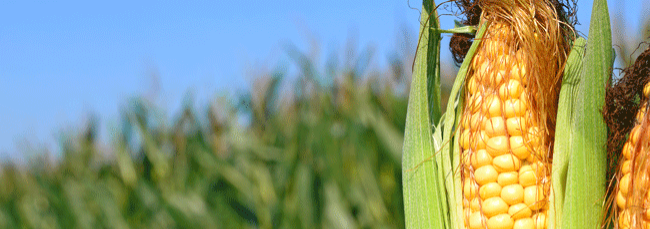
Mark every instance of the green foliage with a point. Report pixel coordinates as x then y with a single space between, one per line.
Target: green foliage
325 153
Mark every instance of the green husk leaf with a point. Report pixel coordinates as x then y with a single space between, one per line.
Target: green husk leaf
425 203
564 128
433 62
465 29
586 181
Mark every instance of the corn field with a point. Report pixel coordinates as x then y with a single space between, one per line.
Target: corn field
292 153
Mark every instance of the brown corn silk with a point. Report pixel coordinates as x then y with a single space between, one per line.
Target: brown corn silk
469 13
508 121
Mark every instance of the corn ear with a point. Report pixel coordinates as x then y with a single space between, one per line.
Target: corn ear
508 119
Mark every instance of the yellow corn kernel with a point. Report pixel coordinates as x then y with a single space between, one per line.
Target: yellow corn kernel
497 146
627 150
516 126
526 223
477 220
508 178
538 166
533 137
475 204
470 188
527 178
489 190
625 168
495 126
518 73
506 163
620 200
474 103
480 158
478 120
467 161
514 107
486 174
496 47
640 116
540 220
475 141
473 85
634 134
534 197
494 206
482 71
477 61
501 221
512 194
492 106
519 211
624 220
518 148
510 90
624 184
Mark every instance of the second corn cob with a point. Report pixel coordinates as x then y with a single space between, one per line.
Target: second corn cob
629 146
632 194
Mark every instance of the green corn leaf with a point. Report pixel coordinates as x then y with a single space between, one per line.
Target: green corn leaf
424 198
586 182
564 131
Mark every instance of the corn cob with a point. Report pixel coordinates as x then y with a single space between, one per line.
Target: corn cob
632 194
506 188
507 122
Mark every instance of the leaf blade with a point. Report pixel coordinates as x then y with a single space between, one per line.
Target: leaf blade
424 203
586 182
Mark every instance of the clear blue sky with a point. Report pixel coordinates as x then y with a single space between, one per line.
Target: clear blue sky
62 61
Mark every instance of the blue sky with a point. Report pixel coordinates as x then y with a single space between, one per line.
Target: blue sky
61 61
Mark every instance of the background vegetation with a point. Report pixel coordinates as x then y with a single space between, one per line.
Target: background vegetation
320 149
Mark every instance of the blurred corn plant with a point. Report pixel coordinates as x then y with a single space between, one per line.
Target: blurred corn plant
628 40
324 153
